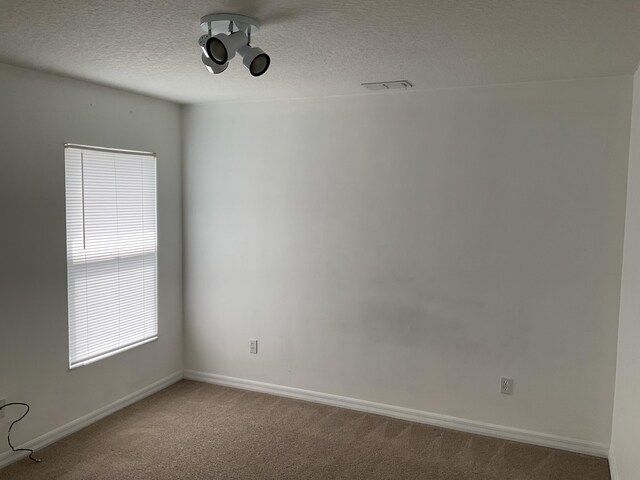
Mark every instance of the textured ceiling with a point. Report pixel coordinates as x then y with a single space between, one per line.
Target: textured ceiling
323 47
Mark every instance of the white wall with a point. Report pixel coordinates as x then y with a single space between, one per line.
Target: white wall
38 114
626 417
411 248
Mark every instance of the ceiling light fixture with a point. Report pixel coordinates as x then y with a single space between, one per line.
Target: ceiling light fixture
228 34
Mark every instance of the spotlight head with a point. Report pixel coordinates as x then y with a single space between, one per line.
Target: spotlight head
215 49
212 66
221 48
255 59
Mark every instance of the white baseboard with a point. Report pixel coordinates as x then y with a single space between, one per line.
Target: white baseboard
419 416
48 438
613 469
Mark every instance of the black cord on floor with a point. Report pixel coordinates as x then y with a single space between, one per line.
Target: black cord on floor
11 426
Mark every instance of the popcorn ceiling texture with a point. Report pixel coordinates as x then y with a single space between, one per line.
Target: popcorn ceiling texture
321 48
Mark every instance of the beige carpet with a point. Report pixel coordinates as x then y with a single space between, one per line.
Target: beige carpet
197 431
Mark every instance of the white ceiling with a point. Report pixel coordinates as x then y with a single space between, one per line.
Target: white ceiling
323 47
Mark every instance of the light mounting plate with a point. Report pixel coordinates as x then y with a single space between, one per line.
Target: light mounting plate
219 23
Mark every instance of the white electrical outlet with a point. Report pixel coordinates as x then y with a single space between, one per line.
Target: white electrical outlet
3 401
253 346
506 385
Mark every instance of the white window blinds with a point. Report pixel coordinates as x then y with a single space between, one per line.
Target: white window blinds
111 251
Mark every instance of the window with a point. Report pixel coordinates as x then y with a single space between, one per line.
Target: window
111 251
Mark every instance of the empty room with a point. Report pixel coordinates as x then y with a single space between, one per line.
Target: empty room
305 239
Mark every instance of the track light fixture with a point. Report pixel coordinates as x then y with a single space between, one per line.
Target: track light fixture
228 34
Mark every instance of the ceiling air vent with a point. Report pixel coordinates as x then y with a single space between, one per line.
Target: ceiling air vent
395 85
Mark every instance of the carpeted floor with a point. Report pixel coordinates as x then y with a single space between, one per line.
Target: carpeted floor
196 431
